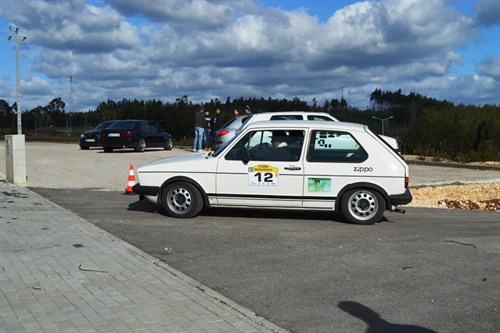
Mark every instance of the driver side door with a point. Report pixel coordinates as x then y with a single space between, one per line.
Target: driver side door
252 174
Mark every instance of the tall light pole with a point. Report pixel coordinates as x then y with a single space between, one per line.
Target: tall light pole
18 85
382 120
15 146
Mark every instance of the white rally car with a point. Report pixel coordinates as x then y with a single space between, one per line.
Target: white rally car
307 165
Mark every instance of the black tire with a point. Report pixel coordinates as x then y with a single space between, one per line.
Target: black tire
363 206
84 148
108 149
182 200
169 144
141 145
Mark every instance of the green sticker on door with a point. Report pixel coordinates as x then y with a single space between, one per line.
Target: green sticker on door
319 185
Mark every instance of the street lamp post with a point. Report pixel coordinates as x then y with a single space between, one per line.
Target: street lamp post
18 85
382 120
15 146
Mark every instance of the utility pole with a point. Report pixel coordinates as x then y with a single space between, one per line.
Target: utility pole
18 85
15 152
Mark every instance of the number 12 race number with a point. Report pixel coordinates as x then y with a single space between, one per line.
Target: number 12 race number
263 175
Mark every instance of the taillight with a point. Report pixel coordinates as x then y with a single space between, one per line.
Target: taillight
102 135
127 134
223 132
407 181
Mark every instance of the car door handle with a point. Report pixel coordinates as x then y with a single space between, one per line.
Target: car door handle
293 168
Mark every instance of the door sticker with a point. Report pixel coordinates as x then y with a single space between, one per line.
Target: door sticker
263 175
319 184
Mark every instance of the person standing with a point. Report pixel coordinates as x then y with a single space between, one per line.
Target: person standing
247 109
199 128
216 123
236 113
207 145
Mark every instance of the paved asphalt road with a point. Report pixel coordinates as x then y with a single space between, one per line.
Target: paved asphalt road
429 270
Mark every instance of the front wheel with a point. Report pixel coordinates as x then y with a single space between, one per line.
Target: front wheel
363 206
141 145
182 200
108 149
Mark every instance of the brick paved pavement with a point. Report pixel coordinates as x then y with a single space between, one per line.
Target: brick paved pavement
60 273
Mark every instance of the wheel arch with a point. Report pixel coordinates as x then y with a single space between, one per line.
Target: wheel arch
188 180
359 185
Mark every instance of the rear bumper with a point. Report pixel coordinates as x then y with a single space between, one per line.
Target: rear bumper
401 199
146 190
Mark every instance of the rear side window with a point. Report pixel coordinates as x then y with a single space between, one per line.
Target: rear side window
309 117
334 146
287 117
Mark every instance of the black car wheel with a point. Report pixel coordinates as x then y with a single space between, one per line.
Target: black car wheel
84 147
363 206
108 149
141 145
182 200
169 144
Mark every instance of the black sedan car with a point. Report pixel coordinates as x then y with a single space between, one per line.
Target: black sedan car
136 134
89 138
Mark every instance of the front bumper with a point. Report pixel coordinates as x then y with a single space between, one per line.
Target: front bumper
146 190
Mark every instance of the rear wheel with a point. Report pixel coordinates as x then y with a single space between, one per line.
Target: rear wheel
141 145
182 200
363 206
108 149
169 144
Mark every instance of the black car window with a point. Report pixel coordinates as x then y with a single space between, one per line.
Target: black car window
287 117
153 128
325 118
123 125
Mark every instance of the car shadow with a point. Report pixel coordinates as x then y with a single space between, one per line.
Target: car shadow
148 207
377 324
129 150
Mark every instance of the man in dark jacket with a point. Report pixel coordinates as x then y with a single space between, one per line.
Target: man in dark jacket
216 124
199 128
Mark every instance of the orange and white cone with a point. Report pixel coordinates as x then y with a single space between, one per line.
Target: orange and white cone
131 180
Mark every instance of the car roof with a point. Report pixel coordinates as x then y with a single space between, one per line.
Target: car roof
327 125
293 113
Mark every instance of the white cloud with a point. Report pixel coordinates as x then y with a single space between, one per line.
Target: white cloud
490 67
488 12
215 49
71 25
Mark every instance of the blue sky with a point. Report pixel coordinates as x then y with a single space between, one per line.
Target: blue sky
165 49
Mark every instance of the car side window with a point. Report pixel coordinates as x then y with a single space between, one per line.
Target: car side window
316 117
286 117
268 146
334 146
153 128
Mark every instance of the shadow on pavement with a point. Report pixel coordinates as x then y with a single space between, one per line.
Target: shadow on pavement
375 323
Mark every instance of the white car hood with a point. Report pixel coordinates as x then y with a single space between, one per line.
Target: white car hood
188 162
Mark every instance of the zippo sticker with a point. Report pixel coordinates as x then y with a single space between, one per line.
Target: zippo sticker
319 185
263 175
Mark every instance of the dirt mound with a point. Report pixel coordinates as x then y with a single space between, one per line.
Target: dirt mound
484 197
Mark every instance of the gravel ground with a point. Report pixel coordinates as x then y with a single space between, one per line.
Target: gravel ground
57 165
455 193
485 196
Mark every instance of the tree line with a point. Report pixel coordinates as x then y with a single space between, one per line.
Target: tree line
423 126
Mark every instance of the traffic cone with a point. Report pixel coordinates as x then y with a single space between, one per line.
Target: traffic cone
131 180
